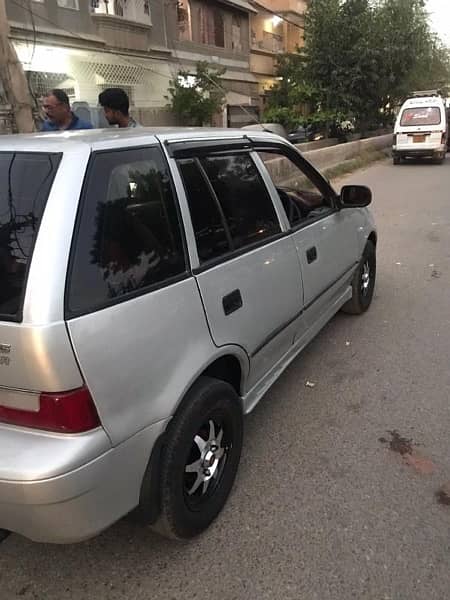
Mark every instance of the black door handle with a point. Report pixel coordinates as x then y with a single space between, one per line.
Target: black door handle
311 255
232 302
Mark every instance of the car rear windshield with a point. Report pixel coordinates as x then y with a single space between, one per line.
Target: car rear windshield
25 182
424 115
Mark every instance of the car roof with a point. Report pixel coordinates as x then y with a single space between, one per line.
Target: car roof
97 139
424 101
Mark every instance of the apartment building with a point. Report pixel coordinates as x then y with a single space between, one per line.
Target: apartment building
84 46
218 31
276 29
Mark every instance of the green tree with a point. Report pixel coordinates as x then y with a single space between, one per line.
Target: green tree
361 58
407 57
196 98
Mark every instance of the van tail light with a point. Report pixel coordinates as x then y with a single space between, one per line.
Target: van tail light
64 412
444 137
394 140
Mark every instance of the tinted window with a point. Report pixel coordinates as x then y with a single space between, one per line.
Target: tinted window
25 182
301 198
209 229
129 236
243 197
426 115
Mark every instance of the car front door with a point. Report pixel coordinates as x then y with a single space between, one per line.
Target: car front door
247 267
325 237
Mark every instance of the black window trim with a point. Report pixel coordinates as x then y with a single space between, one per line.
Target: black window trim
200 147
186 274
18 317
212 191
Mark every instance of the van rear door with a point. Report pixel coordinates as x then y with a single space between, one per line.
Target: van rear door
423 125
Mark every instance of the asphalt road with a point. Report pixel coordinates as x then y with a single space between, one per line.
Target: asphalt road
322 509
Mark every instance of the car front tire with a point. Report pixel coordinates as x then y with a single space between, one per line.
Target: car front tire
363 282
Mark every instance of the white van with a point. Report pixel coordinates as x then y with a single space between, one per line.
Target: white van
421 129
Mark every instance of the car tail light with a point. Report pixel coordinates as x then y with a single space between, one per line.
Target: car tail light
65 412
394 140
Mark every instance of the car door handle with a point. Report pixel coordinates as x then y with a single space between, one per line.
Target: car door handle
232 302
311 255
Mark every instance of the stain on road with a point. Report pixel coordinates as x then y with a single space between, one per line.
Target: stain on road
406 448
397 443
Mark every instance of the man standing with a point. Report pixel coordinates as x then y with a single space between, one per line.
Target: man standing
59 116
116 105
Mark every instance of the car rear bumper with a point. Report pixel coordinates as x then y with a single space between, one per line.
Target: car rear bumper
78 504
419 150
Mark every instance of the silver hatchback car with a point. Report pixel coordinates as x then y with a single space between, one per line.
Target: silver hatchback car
154 284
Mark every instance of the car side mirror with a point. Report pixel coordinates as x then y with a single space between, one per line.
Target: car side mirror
355 196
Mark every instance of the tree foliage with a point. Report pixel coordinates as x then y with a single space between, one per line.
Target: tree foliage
361 57
196 98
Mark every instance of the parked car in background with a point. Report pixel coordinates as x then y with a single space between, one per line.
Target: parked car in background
305 134
138 319
421 130
298 136
268 127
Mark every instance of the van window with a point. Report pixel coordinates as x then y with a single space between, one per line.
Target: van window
129 236
25 182
424 115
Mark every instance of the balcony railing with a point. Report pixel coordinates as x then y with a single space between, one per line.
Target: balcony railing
131 10
270 41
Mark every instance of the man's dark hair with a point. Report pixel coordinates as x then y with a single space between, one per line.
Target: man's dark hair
115 98
60 95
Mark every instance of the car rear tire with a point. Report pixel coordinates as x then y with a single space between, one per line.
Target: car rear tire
363 282
200 459
396 160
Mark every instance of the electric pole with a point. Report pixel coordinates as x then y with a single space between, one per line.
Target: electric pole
13 78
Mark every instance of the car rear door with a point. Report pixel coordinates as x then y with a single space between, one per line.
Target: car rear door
247 267
132 307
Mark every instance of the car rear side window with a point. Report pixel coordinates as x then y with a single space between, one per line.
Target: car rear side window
25 182
129 237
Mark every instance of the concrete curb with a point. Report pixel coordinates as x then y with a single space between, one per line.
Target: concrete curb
333 160
325 158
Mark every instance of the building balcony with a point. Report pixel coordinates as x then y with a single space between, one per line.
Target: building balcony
269 42
123 24
294 7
